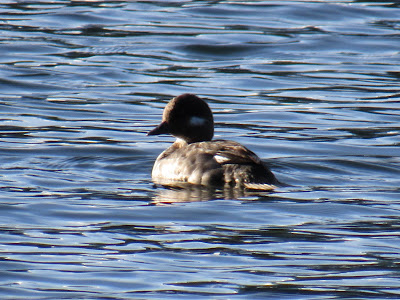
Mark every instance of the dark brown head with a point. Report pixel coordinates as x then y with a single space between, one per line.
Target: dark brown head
187 117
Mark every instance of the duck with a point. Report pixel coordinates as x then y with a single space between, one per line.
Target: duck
195 158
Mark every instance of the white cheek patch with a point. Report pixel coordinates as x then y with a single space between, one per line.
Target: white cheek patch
197 121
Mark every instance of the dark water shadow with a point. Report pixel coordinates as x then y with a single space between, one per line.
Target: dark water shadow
184 192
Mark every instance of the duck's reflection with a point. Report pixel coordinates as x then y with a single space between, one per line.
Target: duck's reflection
183 192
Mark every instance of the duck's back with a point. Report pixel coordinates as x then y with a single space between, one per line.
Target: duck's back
215 163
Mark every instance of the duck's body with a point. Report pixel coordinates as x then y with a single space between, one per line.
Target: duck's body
197 159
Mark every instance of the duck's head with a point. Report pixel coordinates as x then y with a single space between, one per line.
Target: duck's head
187 117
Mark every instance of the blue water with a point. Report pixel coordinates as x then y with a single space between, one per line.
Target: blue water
311 87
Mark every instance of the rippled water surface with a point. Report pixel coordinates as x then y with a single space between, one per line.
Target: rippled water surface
311 86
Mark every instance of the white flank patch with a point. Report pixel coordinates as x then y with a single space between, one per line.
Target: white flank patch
197 121
221 159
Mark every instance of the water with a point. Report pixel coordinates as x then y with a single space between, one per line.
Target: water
311 87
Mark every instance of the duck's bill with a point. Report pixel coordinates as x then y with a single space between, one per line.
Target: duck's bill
160 129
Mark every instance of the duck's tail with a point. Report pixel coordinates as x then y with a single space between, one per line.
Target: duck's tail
260 186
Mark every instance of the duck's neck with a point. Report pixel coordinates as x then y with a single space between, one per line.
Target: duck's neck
180 143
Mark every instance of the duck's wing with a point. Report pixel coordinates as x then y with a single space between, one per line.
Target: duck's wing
243 166
235 153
